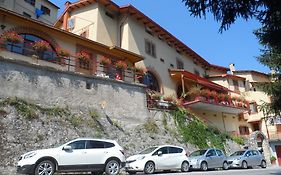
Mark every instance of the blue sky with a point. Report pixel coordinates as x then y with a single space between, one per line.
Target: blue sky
237 45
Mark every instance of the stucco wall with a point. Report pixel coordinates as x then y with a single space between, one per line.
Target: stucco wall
51 87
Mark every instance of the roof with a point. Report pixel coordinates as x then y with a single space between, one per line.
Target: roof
113 50
219 67
251 71
200 80
140 17
230 76
53 4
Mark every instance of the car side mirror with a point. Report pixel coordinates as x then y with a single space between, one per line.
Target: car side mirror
67 148
159 153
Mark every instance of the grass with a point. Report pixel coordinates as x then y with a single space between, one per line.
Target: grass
151 126
75 120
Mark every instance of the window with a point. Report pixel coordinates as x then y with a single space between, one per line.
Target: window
196 72
219 152
151 82
78 144
26 48
211 153
244 130
248 153
26 14
175 150
180 64
150 48
253 107
148 30
84 64
255 153
45 10
108 145
164 150
94 144
32 2
236 85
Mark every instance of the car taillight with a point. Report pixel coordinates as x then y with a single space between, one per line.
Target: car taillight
122 152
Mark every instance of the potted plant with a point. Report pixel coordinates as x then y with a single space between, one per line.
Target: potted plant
82 55
41 46
205 93
193 93
273 160
105 61
221 97
12 37
122 65
139 73
62 54
227 99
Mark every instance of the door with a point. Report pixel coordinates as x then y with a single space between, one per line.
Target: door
175 157
278 153
96 154
211 158
73 159
161 161
221 158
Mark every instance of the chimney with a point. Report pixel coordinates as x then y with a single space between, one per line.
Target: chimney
232 68
67 3
66 16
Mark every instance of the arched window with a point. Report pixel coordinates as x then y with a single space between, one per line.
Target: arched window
151 81
26 48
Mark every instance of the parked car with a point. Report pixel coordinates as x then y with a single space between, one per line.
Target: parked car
165 157
246 158
208 158
79 155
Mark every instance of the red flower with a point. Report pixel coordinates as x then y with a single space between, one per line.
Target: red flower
12 37
62 52
41 45
105 61
121 65
83 55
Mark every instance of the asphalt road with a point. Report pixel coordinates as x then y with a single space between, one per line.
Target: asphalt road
274 170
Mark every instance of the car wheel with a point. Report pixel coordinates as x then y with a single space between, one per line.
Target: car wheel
225 166
185 166
149 168
112 167
263 164
244 165
204 166
45 167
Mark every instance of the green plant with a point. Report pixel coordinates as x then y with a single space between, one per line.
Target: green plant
239 140
75 120
12 37
105 61
41 46
272 158
3 112
94 114
150 125
121 65
83 55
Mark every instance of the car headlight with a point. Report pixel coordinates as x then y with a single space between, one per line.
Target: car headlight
29 155
140 158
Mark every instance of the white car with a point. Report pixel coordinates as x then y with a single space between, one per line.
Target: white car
79 155
166 157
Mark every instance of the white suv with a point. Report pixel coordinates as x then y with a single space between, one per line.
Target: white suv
166 157
79 155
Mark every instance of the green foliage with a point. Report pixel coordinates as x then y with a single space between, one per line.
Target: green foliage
272 158
239 140
151 125
3 111
75 120
30 110
94 114
194 131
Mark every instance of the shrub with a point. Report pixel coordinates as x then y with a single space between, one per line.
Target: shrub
272 158
151 125
239 140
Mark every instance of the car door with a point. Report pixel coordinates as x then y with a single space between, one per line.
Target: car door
73 159
96 154
161 161
249 158
220 158
256 158
211 158
175 157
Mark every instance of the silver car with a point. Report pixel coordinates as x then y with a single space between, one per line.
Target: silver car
209 158
245 159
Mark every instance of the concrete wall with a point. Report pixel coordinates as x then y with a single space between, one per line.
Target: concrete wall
51 87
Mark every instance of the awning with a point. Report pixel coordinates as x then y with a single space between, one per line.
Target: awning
204 105
197 79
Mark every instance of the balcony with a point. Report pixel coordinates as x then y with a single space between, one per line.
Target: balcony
274 136
93 66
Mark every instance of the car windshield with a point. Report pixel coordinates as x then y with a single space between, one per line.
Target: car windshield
148 150
238 153
198 153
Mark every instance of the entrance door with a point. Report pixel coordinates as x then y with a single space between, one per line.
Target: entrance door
278 152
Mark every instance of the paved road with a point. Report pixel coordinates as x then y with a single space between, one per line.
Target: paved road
256 171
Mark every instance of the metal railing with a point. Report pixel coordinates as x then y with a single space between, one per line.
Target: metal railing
73 64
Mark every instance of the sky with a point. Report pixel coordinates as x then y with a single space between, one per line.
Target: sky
237 45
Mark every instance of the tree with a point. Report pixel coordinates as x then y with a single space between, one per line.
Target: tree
268 13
